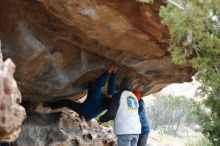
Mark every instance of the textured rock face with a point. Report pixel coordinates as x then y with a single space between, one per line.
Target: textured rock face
11 113
64 129
59 45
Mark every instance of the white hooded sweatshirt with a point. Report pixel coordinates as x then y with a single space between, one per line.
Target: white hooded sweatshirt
127 120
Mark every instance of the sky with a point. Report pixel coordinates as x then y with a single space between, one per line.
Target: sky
187 89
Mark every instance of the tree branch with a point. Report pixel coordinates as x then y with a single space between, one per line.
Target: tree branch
176 4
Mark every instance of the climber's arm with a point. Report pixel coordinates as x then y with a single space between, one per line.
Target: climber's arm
112 108
100 81
111 84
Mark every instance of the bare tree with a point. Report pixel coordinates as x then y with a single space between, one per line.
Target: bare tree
168 113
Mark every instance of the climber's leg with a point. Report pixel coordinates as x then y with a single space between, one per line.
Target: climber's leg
65 103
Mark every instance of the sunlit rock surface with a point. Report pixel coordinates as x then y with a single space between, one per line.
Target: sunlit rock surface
59 45
11 113
63 129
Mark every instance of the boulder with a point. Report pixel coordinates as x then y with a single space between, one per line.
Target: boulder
60 45
12 113
64 128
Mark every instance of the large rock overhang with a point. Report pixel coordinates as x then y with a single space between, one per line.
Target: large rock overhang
59 45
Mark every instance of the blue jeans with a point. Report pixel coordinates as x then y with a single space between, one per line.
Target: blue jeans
142 140
127 140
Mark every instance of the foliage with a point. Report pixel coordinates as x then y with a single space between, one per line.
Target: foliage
106 124
201 141
146 1
195 39
167 113
210 118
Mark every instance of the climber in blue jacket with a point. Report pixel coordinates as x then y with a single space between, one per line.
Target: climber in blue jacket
95 102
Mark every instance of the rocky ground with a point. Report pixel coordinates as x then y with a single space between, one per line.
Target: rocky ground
64 128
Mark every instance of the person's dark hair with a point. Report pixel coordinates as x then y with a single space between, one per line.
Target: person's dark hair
126 84
90 84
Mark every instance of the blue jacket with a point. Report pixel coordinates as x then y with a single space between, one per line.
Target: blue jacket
93 105
145 128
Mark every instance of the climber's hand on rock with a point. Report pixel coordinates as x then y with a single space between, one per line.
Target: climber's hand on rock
115 69
111 68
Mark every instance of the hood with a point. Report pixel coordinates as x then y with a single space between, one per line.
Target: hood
126 84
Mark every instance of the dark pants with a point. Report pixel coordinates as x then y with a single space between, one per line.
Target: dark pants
142 140
66 103
5 144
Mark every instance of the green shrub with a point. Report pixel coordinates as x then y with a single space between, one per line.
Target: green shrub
201 141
